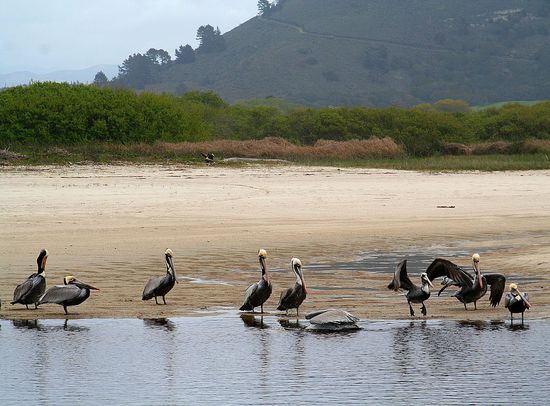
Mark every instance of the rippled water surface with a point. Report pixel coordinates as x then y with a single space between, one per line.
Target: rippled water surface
226 359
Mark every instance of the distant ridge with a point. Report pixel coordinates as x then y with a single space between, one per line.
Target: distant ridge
76 75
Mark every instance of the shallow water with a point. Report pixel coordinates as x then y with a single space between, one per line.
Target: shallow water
226 359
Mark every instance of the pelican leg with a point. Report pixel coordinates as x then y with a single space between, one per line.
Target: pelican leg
297 313
511 318
65 308
164 300
465 308
27 306
423 309
262 308
36 306
411 308
156 301
522 318
475 305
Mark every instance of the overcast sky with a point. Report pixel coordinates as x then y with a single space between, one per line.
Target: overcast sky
46 35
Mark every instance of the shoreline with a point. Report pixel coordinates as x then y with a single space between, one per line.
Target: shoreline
109 226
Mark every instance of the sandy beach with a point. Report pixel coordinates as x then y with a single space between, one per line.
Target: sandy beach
109 226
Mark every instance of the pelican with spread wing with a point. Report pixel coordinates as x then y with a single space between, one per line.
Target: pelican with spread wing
415 294
472 287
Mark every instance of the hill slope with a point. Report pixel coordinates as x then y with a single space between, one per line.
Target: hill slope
380 52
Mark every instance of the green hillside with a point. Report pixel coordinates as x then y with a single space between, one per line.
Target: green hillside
379 52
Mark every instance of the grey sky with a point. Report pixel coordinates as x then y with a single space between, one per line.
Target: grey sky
45 35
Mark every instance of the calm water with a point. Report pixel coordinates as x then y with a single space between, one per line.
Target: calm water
225 359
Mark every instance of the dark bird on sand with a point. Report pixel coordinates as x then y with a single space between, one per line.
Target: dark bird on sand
30 291
71 293
161 285
257 293
208 158
292 298
516 302
415 293
472 287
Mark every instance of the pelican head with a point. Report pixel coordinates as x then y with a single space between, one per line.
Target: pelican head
170 263
71 280
41 260
424 278
296 265
262 255
513 287
475 261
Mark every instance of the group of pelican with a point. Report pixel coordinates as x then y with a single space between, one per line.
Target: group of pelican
33 289
472 287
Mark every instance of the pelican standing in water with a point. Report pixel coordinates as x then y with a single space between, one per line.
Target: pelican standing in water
72 293
34 286
292 298
332 320
415 294
472 288
516 302
161 285
257 293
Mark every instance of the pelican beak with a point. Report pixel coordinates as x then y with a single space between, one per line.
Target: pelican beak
525 300
430 282
299 269
83 285
44 260
171 264
479 278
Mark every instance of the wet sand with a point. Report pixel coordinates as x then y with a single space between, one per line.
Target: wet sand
109 226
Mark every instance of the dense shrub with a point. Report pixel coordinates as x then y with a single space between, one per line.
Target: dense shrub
58 114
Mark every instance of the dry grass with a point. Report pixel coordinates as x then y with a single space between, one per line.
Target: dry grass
273 147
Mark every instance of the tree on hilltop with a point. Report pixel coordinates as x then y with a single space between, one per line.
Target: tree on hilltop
158 56
185 54
211 39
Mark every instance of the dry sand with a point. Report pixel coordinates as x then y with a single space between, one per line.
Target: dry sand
110 225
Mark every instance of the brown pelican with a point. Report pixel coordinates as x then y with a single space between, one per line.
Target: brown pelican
208 157
472 288
292 298
516 302
257 293
72 293
332 320
34 286
415 294
161 285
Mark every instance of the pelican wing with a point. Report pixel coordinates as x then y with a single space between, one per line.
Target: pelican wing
248 294
401 278
442 267
59 294
331 316
497 283
153 283
25 288
285 294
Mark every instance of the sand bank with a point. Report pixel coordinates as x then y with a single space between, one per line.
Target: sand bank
110 225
